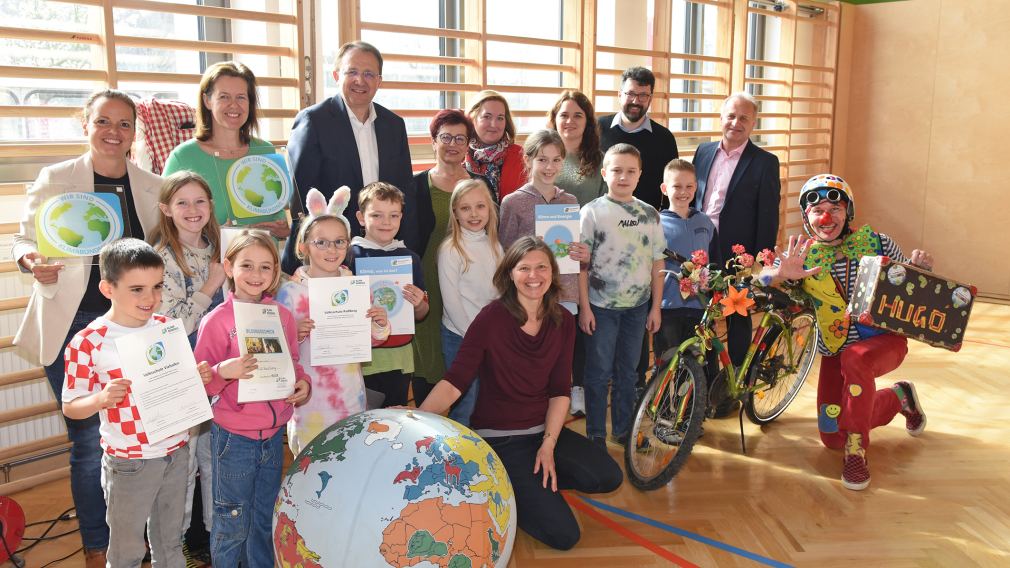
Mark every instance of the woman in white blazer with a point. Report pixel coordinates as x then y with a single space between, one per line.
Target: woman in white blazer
65 298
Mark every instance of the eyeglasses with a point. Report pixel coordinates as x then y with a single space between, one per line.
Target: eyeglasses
824 194
449 139
637 96
366 75
106 123
323 244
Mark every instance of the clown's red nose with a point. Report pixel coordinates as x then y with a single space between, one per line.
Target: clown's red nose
825 219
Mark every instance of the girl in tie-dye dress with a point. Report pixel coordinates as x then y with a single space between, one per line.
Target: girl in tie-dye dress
337 390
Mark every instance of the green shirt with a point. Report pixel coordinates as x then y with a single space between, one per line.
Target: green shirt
189 156
428 358
584 188
390 359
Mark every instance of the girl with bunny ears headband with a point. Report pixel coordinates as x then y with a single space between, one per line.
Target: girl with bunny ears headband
338 389
320 210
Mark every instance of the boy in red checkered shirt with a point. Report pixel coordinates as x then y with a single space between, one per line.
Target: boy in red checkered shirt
144 483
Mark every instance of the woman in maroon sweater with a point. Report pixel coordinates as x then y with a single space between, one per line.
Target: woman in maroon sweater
521 347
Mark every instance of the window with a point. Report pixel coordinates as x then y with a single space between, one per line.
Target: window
685 43
790 70
439 53
56 53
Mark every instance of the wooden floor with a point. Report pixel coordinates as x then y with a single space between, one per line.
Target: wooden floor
942 499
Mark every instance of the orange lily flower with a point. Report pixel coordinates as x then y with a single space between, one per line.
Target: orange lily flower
736 301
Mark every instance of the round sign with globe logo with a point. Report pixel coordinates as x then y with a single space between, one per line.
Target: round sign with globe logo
258 185
78 224
386 293
339 298
156 352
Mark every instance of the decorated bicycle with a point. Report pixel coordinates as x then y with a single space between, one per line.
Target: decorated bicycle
668 419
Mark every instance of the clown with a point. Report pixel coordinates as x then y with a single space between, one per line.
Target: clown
849 404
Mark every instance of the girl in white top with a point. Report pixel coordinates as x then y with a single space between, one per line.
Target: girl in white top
189 240
467 260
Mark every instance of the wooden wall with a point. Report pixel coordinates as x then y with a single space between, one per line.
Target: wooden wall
922 130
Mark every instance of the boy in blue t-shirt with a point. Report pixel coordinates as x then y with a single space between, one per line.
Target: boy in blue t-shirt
620 289
686 230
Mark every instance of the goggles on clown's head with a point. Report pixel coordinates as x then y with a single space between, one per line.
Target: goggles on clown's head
828 194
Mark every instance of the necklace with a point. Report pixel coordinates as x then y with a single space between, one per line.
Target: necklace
219 151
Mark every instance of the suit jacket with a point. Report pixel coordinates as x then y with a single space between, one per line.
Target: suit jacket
47 318
324 155
750 216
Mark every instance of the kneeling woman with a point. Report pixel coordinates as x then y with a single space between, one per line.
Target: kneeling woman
521 347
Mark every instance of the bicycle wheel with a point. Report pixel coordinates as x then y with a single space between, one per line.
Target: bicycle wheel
666 424
778 370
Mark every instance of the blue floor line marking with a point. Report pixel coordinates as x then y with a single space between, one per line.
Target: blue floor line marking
686 534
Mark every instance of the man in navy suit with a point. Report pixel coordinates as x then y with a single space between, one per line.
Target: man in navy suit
738 188
349 140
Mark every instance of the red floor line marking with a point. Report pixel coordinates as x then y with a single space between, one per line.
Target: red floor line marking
627 533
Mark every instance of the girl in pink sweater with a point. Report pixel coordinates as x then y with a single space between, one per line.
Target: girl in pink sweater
248 451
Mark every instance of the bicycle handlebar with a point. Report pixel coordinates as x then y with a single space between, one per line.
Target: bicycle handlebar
670 255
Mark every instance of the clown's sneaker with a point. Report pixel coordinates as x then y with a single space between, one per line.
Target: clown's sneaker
855 473
915 418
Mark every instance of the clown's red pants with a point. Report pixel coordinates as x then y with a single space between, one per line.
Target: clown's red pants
847 396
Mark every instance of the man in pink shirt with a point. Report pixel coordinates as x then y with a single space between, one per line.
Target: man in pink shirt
738 188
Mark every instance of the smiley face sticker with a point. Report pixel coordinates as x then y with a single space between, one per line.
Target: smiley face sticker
827 418
855 390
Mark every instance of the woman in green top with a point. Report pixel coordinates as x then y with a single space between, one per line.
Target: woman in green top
224 125
451 132
574 118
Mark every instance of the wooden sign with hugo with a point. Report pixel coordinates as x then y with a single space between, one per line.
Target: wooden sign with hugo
912 302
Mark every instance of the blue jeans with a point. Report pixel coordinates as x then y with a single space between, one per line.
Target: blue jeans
461 411
612 351
247 477
85 453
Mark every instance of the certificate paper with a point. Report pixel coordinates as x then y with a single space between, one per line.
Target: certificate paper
343 331
389 275
228 235
558 225
261 334
164 380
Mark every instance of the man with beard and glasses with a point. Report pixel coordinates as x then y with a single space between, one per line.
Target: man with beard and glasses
633 126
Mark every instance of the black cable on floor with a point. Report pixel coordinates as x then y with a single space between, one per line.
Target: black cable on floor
65 516
17 562
74 553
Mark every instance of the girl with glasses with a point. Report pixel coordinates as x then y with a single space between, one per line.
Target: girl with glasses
339 390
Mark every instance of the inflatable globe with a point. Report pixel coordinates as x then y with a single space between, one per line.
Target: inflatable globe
395 488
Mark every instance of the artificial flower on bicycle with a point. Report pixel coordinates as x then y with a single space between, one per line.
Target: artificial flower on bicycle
724 286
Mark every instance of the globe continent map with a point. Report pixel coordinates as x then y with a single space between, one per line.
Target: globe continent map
398 488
